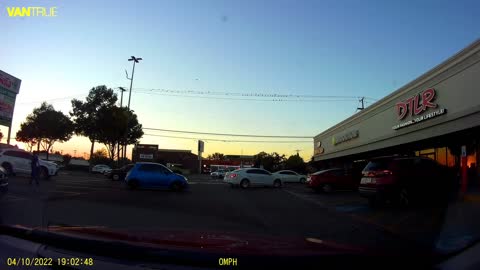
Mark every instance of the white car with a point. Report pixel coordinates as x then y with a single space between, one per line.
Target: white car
252 177
218 174
290 176
18 161
101 168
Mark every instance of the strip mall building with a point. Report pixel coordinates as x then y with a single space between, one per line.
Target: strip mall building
432 116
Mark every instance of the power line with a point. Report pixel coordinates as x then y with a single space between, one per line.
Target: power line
248 99
229 134
219 140
51 100
245 94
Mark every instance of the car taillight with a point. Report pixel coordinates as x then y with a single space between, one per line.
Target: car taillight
232 175
377 173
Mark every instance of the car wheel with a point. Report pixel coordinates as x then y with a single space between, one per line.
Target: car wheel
115 177
277 183
245 183
404 198
8 168
327 188
43 174
133 184
303 180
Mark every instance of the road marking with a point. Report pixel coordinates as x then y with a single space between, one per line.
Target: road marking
11 198
365 220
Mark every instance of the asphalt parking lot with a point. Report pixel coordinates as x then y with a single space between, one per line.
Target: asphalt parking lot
209 205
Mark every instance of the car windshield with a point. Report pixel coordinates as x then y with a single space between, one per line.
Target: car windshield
378 164
302 128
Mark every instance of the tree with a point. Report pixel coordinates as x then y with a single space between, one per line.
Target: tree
270 162
85 113
295 163
115 123
216 156
46 126
99 157
27 135
66 159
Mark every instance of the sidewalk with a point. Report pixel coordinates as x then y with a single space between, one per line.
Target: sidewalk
462 223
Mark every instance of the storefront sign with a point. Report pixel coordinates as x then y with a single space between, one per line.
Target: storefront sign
9 83
146 156
417 104
318 149
420 119
9 88
345 137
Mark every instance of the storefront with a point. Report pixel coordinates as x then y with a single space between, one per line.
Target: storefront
433 116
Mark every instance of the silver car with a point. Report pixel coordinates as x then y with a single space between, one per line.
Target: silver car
290 176
100 168
249 177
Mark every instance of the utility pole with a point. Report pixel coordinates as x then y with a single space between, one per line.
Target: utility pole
362 102
135 60
298 150
122 89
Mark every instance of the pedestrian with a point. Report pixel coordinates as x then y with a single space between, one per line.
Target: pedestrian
35 169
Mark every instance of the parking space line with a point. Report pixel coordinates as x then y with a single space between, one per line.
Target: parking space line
11 198
362 219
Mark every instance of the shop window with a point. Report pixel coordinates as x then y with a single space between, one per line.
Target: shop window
441 155
472 159
451 160
427 151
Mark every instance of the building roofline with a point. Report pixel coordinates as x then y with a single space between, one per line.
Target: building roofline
473 48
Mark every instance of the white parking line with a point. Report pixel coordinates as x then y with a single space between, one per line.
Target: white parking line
305 197
11 198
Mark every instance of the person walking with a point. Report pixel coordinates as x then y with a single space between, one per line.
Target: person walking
35 169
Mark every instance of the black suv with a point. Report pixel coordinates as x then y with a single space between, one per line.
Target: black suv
405 180
120 173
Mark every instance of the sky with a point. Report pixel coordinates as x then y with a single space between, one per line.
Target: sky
341 48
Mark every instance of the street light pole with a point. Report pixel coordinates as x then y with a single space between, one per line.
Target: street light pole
122 89
135 60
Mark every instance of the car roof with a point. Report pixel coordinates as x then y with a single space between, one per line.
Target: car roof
144 162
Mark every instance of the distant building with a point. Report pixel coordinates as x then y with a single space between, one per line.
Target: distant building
145 152
79 162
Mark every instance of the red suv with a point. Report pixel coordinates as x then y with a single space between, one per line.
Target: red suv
337 178
404 180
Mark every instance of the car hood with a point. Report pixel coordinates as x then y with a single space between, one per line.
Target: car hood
49 163
217 242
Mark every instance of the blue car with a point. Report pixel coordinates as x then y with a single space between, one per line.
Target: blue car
154 175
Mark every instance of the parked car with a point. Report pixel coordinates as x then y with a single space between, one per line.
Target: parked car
18 161
120 173
154 175
3 181
404 180
290 176
100 168
218 174
252 177
333 179
178 168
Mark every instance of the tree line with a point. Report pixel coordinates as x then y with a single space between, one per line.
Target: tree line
272 162
97 117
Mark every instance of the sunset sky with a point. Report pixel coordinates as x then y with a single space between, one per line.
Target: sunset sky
330 48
